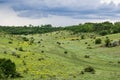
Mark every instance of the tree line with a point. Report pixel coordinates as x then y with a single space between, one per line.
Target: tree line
18 30
103 28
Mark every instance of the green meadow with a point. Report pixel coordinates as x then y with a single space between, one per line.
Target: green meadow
61 55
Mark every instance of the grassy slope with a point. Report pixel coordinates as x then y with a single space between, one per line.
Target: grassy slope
57 65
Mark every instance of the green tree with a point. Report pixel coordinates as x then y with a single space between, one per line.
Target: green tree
7 68
107 42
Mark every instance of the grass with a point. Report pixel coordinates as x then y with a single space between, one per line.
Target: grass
46 60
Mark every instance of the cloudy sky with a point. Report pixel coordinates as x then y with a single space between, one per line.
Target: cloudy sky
58 12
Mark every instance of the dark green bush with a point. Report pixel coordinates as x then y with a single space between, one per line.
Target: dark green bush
58 43
98 41
107 42
40 59
89 69
103 32
82 36
87 56
42 51
86 42
20 49
82 72
25 39
89 47
39 42
7 69
118 62
65 52
10 42
5 52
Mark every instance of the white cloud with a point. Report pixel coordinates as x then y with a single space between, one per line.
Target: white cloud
109 1
9 17
60 12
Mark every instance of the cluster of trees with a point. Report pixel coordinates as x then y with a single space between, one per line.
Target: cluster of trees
103 28
28 29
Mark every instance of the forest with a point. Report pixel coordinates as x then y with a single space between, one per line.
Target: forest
103 28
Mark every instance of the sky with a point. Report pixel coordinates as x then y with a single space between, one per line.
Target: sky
57 12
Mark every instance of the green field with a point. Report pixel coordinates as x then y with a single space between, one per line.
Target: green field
61 56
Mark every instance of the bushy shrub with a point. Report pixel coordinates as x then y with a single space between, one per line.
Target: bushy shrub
65 52
87 56
20 49
82 36
107 42
103 32
89 69
82 72
40 59
5 52
10 42
89 47
43 46
7 69
86 42
98 41
118 62
25 39
39 42
58 43
42 51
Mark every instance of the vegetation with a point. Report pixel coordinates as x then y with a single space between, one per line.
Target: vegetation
7 69
89 69
66 53
103 28
28 29
98 41
107 42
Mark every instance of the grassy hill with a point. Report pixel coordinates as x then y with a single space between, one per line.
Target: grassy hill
61 55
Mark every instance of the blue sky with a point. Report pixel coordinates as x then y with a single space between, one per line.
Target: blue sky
58 12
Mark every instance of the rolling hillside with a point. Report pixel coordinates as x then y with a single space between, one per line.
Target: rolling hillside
61 55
